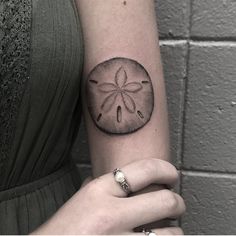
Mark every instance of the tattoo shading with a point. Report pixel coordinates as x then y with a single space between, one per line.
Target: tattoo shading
93 81
99 117
140 114
119 96
119 114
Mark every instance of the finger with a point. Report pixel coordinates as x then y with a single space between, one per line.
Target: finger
169 231
164 231
151 207
150 188
141 174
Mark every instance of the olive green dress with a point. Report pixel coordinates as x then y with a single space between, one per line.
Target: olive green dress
41 57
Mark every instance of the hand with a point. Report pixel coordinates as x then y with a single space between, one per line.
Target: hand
102 207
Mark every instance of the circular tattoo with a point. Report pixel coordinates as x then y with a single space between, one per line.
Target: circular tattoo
119 96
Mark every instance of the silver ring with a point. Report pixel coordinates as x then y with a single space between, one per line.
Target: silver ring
121 180
149 232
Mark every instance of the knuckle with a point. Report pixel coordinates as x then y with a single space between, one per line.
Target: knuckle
94 186
149 165
183 205
174 173
170 170
170 200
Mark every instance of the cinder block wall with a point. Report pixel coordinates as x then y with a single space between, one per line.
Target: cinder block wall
198 46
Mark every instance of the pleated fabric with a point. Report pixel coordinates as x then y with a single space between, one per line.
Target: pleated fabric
24 208
40 109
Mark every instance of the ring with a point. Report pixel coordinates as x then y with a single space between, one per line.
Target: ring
149 232
121 180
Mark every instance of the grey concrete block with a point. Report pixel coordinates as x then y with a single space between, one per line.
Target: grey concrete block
174 64
210 128
173 18
211 204
80 151
214 18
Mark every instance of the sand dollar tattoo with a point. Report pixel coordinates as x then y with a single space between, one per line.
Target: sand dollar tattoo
119 96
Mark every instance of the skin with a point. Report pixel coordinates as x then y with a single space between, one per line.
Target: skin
119 96
122 29
102 207
112 29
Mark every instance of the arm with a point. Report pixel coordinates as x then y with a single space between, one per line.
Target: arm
122 130
113 29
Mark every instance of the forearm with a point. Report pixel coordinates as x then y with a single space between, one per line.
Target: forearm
125 30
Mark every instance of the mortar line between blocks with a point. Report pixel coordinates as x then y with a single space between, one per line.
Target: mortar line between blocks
184 100
208 174
197 43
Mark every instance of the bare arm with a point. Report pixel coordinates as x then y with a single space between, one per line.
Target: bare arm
124 93
126 117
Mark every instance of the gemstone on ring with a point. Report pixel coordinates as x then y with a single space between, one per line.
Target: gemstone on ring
119 177
121 180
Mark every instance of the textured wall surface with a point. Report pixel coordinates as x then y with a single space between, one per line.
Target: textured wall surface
198 46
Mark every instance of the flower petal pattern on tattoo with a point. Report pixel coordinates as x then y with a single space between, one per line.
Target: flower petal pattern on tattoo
119 96
122 88
109 102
